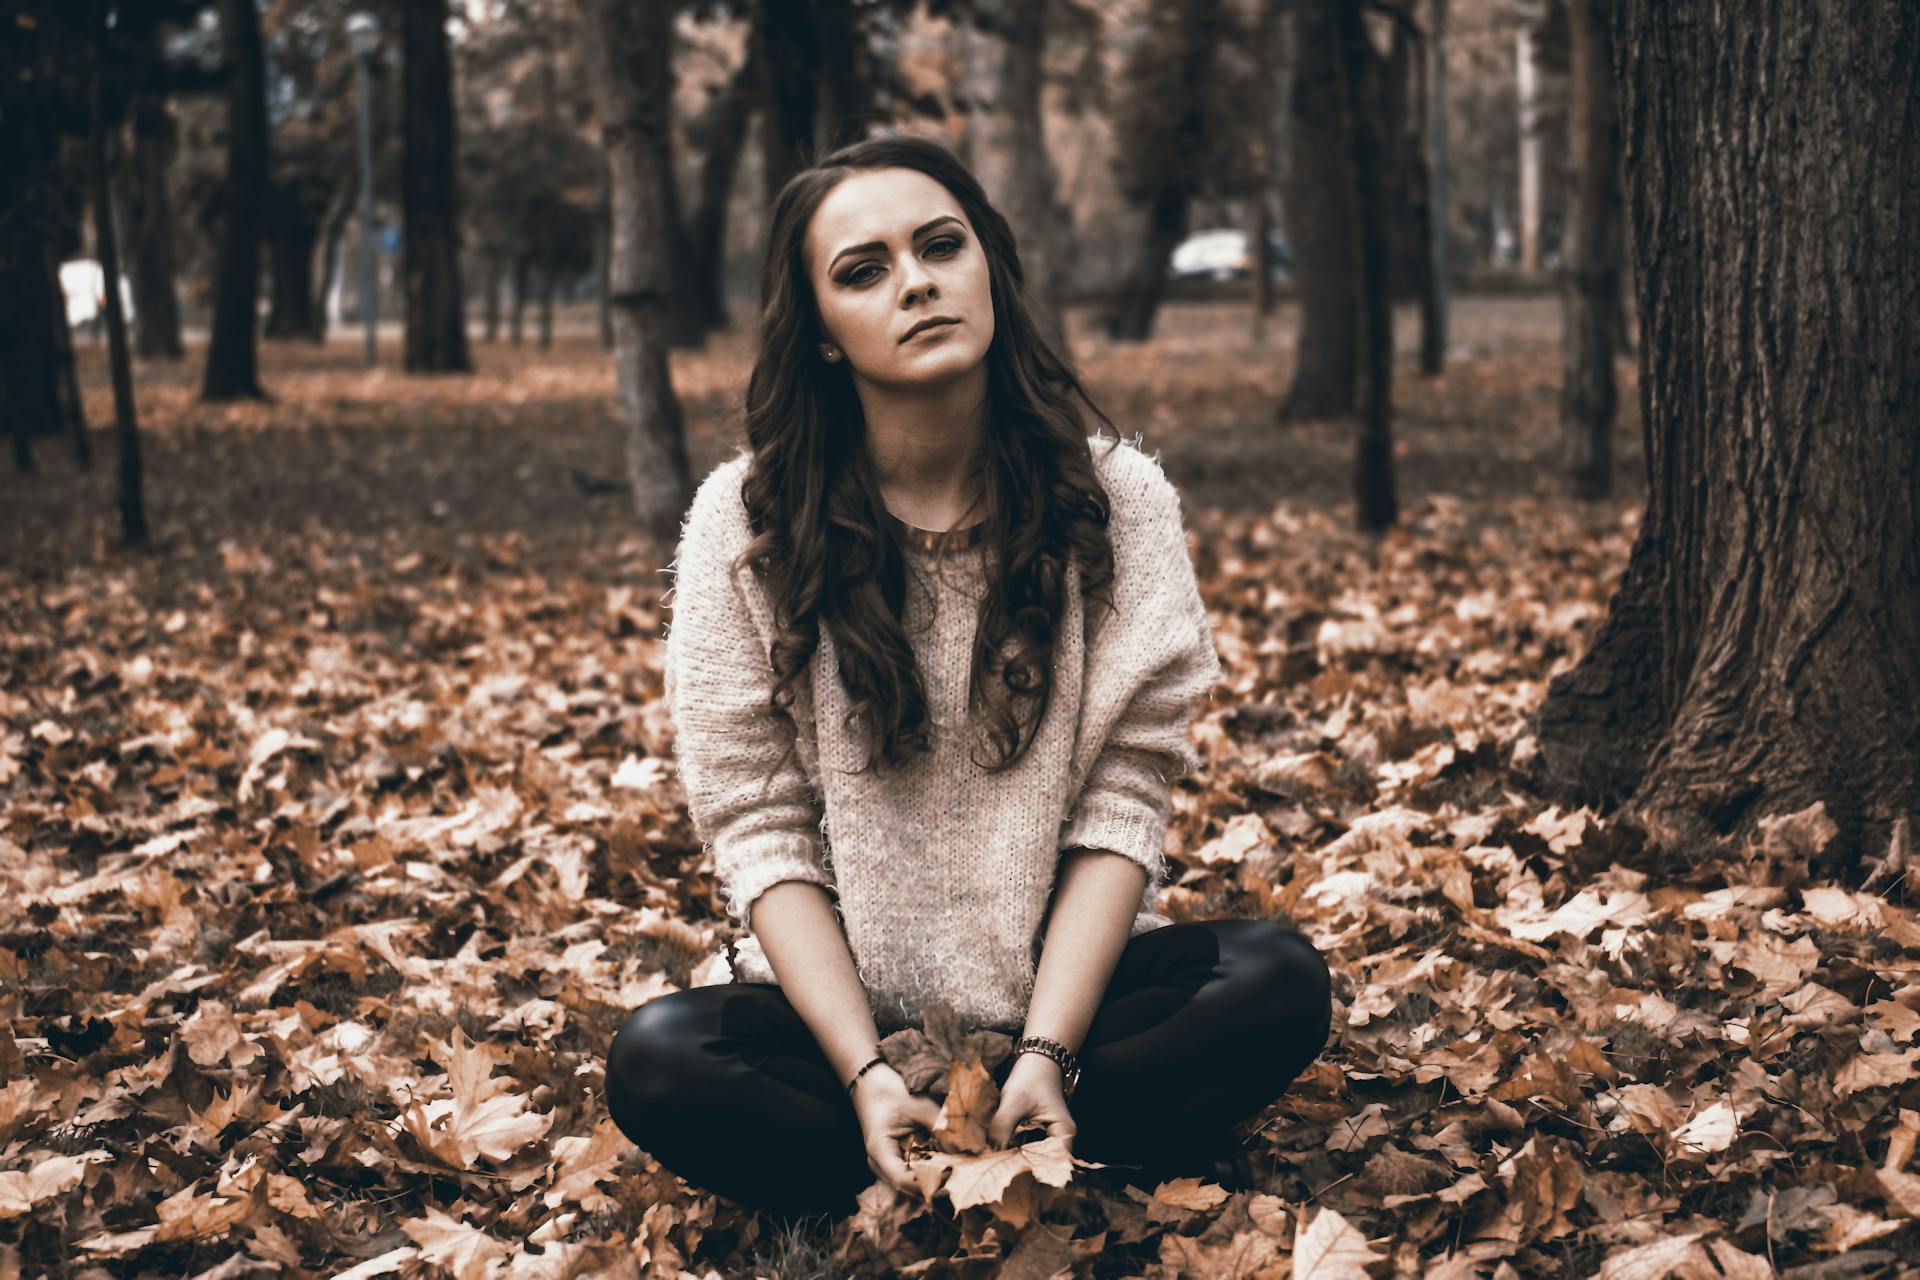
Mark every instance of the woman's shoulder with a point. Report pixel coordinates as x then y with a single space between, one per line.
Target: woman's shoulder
1136 484
717 516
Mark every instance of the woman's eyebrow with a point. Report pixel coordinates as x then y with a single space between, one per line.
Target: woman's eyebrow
871 245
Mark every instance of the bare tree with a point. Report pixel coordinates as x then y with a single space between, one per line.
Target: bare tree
628 48
436 324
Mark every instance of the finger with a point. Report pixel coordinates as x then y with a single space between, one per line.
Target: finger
890 1166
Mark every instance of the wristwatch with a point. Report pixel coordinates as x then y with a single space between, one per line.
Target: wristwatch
1069 1065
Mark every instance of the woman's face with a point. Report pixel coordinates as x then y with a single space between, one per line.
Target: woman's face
887 251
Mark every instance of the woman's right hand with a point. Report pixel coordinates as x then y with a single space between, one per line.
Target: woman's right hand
888 1111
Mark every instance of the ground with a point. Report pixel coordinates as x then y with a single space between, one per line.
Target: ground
344 831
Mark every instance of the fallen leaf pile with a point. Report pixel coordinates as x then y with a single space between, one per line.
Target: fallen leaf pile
335 851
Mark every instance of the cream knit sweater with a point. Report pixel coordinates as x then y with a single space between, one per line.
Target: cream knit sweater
942 872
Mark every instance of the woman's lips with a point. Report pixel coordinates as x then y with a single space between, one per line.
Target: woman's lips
937 326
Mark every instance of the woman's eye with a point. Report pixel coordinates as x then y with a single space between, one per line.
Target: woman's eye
855 277
945 247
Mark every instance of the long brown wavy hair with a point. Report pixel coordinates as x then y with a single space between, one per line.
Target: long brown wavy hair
823 544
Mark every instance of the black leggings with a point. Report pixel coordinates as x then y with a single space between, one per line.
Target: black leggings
1203 1024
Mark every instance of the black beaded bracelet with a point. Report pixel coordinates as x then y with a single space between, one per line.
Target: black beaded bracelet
878 1059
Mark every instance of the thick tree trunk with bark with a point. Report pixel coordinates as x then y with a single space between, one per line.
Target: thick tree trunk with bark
628 51
1590 287
436 325
1321 212
1433 303
1763 651
232 350
149 229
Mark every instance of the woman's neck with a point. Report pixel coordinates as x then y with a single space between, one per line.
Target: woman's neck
926 447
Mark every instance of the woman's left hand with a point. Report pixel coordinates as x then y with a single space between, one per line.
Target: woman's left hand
1033 1093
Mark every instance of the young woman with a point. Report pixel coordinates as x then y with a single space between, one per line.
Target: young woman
932 666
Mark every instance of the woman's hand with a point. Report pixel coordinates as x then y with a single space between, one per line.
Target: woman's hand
888 1111
1033 1093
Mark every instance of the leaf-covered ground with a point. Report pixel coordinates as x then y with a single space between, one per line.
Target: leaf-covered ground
341 834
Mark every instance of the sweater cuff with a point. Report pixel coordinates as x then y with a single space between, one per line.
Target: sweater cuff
1121 825
745 874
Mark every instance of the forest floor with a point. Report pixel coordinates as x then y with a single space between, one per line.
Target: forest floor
343 831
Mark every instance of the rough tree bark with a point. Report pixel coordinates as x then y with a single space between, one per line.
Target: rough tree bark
436 328
627 50
1320 213
725 137
1762 653
789 51
149 229
232 351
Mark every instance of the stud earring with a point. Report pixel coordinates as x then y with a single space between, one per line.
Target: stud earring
829 354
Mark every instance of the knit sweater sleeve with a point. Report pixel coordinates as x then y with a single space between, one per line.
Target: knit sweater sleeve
760 816
1148 664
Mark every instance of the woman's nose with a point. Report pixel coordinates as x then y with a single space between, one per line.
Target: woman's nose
919 284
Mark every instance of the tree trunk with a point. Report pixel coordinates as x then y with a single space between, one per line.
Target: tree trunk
1433 303
1590 287
1321 213
1138 303
549 270
436 329
789 51
232 351
29 386
603 271
1010 149
1527 72
628 50
66 372
725 138
333 230
1763 651
1132 314
149 228
516 314
1375 506
133 509
491 295
292 306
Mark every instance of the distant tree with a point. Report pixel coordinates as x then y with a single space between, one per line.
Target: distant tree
436 330
628 49
1321 209
147 215
1590 278
133 509
1010 149
232 351
1361 90
1186 130
1762 653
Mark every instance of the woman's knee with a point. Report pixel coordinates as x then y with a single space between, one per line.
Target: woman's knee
654 1049
1279 968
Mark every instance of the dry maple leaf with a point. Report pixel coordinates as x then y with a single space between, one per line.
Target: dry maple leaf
482 1118
468 1252
48 1177
582 1163
1330 1249
984 1178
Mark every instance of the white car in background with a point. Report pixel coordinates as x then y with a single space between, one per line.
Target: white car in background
85 287
1225 253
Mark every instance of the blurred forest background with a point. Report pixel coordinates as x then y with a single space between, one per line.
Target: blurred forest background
1539 378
